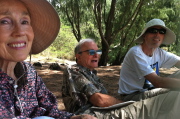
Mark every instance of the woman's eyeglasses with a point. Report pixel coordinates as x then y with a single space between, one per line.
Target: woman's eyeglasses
92 52
155 30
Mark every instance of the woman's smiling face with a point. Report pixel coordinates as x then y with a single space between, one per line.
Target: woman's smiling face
16 33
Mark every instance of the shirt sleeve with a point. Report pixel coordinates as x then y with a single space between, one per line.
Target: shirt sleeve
170 59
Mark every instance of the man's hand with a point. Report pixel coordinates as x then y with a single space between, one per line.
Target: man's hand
84 116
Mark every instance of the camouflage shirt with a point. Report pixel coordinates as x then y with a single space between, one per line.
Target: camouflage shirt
79 84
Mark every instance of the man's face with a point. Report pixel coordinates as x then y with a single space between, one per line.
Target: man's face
154 39
87 60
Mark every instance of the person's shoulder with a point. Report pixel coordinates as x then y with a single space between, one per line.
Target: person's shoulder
134 49
27 64
75 72
73 69
160 50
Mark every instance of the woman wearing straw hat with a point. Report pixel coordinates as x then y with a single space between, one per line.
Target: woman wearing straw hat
26 27
139 76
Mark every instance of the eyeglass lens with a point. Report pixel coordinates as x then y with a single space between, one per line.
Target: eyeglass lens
155 30
93 52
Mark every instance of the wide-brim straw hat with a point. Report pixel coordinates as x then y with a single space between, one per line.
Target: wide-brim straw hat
45 23
169 37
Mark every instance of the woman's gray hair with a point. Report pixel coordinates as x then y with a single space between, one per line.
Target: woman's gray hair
80 43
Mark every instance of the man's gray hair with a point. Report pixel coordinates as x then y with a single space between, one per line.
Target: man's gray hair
81 42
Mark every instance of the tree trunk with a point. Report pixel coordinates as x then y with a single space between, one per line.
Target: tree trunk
118 60
104 56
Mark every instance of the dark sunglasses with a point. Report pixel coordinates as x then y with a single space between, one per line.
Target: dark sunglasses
155 30
92 52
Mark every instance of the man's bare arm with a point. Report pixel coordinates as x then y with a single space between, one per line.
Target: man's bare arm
103 100
84 116
163 82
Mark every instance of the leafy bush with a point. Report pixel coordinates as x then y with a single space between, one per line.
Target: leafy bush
63 46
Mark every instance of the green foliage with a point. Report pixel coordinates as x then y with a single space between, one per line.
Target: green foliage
89 31
63 46
125 26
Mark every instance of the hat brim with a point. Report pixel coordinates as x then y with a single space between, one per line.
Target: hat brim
169 37
45 23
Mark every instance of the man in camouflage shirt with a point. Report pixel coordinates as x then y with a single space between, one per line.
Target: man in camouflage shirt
82 89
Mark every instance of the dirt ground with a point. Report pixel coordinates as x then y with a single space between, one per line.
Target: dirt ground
109 75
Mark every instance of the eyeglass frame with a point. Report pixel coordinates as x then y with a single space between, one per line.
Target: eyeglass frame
99 52
155 30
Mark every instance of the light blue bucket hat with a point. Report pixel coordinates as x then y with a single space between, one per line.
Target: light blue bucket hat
169 37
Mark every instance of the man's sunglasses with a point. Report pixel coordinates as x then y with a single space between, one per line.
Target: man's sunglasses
155 30
92 52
